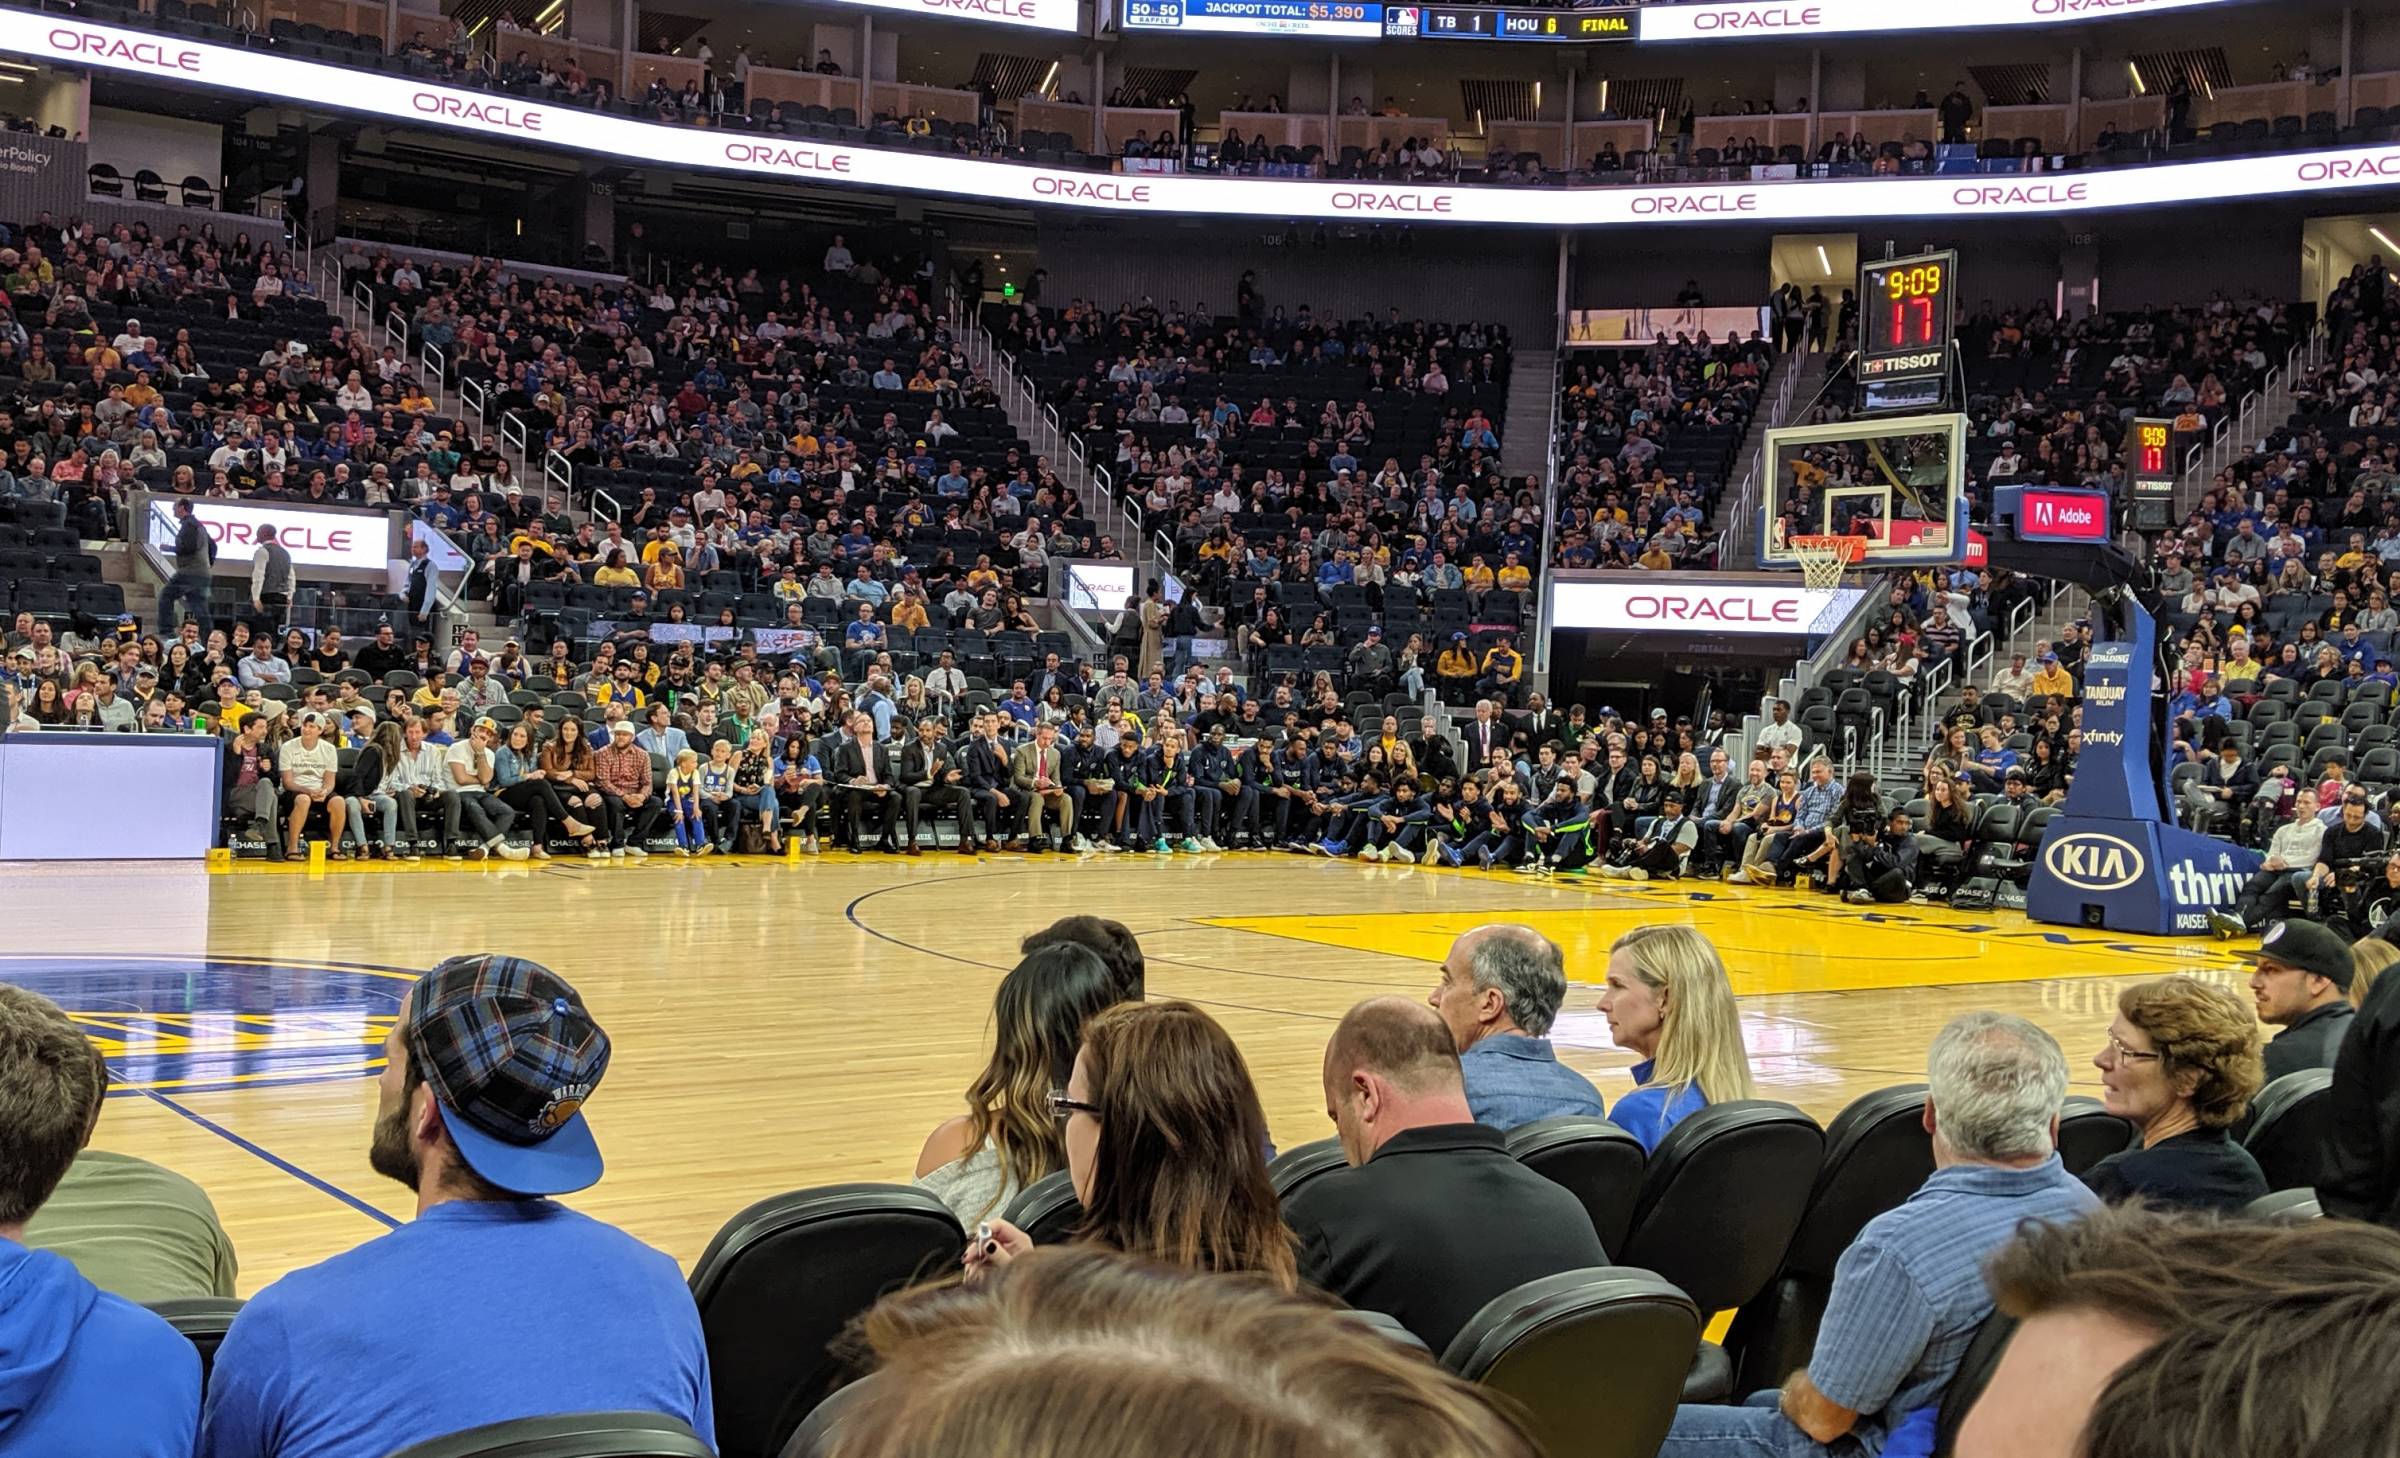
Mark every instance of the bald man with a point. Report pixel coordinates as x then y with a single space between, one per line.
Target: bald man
1434 1218
1500 991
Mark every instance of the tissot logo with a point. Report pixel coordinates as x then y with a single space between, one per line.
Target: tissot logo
1390 202
2347 169
125 52
480 113
786 159
2022 195
1760 17
1089 189
2090 861
1687 204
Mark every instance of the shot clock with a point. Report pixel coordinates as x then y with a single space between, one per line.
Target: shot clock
2150 471
1907 307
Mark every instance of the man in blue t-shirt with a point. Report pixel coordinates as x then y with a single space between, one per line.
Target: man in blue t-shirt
83 1374
495 1302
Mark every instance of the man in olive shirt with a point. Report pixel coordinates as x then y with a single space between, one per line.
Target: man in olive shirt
134 1228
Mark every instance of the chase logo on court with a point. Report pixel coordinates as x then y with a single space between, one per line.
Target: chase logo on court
191 1024
2093 862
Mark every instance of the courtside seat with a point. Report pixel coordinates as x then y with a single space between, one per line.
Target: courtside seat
2088 1133
1721 1198
1296 1167
203 1320
2290 1129
1599 1162
570 1435
1595 1357
1046 1210
782 1280
1877 1153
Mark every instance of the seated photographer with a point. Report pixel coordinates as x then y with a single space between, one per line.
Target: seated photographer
2290 866
2349 855
1881 867
1661 854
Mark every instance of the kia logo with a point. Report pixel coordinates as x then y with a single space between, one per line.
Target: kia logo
148 54
2090 861
477 112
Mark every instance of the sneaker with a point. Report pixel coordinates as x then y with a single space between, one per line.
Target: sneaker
1080 846
460 856
1191 846
616 852
1209 843
1611 873
513 852
1108 848
637 853
595 854
2225 926
1636 873
1161 846
1738 878
706 850
1400 853
1859 896
1370 853
1449 855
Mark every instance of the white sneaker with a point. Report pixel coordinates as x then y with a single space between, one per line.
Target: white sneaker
1636 873
596 854
1209 843
514 852
1400 853
1738 878
1081 846
637 853
616 852
1370 853
1110 848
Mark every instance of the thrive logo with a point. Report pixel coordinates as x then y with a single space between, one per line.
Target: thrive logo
2195 887
2091 861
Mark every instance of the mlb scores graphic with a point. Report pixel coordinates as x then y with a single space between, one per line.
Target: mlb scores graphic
2097 862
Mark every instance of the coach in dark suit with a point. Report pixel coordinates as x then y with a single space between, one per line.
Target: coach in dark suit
864 770
1435 1217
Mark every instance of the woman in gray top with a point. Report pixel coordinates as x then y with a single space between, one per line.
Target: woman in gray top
1009 1137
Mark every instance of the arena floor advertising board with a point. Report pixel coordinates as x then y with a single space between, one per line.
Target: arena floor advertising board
408 100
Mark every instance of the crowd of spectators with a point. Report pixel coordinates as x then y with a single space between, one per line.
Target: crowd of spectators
1328 1303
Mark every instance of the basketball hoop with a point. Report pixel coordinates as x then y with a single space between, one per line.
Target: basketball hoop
1823 559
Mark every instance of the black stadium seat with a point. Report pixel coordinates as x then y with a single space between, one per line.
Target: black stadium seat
1974 1373
1046 1210
785 1276
1722 1195
1599 1162
1296 1167
815 1437
1594 1357
204 1320
2291 1129
570 1435
2088 1133
1877 1153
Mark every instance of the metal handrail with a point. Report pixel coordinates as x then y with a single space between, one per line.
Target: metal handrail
560 471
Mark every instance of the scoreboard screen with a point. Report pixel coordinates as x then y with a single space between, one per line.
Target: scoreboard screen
2149 465
1907 307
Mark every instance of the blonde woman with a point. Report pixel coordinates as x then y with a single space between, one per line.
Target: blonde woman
1669 1000
2369 959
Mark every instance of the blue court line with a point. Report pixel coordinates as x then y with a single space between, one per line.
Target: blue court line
295 1171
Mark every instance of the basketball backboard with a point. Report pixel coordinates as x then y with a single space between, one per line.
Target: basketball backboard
1888 493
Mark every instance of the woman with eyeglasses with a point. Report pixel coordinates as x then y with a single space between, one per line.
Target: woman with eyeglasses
2182 1061
1167 1145
1009 1137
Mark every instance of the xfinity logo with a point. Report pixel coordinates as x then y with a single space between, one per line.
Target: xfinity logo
1760 17
2352 169
1089 189
1681 204
124 52
2112 737
2091 861
480 113
1391 202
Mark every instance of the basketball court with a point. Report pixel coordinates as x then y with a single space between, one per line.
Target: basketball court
780 1025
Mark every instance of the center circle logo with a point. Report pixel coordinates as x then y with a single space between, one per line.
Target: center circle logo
194 1024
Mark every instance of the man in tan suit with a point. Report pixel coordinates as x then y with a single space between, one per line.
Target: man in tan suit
1035 770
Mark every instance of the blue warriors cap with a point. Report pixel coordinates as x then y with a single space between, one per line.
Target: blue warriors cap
511 1055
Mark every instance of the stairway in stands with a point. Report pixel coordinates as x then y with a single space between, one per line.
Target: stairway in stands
1532 410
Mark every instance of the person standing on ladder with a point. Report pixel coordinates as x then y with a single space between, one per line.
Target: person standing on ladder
272 579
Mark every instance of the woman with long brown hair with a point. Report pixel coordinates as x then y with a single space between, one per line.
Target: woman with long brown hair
1167 1145
566 763
1009 1137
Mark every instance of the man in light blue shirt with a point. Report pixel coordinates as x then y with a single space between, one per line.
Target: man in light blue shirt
1500 990
1909 1293
441 1325
662 737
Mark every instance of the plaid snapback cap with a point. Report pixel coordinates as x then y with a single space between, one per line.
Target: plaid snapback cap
511 1055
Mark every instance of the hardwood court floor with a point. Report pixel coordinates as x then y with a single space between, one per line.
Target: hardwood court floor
781 1025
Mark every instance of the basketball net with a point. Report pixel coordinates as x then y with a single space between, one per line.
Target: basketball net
1823 559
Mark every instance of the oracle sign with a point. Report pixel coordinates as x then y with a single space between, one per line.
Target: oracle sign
1696 605
1024 14
1841 17
409 102
322 541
